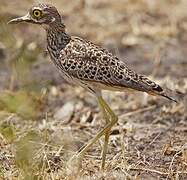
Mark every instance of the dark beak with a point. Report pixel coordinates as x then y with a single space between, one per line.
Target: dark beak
25 18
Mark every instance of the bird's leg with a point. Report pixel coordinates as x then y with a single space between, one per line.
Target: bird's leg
107 134
106 129
110 118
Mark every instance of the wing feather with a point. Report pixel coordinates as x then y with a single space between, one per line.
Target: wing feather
88 62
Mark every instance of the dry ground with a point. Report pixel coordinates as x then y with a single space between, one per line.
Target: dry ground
44 121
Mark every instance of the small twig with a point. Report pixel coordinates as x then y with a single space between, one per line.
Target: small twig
49 166
137 111
150 170
156 171
152 141
58 152
171 163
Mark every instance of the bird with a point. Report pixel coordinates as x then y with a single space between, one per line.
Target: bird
83 63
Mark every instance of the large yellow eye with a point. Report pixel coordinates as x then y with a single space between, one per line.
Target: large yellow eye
37 13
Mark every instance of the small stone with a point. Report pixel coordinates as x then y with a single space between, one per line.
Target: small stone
54 91
65 112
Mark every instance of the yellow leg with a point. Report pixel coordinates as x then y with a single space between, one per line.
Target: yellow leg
105 147
107 135
111 119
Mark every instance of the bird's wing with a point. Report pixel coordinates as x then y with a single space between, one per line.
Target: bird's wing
88 62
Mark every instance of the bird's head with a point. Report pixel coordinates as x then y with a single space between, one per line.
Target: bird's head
43 14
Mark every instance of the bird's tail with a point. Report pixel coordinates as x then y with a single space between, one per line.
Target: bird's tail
169 97
157 90
163 94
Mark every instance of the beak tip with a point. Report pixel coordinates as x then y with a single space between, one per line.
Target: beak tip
12 21
9 22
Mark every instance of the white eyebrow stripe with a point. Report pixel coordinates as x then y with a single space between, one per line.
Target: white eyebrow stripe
37 8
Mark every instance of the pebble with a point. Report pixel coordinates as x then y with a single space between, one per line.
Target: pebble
65 112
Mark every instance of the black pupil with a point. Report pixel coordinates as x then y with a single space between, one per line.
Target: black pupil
36 13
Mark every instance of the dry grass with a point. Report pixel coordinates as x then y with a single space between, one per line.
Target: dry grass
44 121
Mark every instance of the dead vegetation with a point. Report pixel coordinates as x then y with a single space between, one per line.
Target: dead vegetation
44 121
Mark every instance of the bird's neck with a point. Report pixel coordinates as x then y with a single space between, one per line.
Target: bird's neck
57 39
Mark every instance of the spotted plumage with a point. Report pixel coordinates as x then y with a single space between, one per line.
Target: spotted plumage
96 68
88 65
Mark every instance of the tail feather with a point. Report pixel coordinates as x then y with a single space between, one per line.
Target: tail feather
157 90
163 92
170 98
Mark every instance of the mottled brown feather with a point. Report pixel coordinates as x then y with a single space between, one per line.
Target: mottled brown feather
97 67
